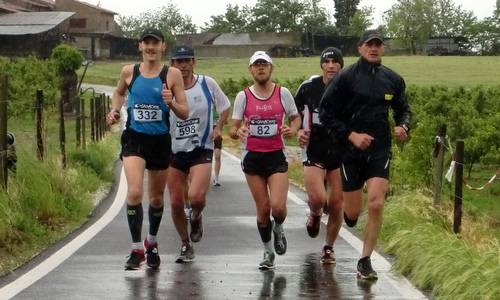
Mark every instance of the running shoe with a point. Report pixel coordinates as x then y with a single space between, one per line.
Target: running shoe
312 225
268 262
280 243
186 255
152 256
215 183
328 256
196 228
135 259
365 270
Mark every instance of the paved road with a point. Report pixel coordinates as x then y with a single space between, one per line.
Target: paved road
226 259
91 265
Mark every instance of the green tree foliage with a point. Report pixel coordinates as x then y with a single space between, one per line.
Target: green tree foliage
344 11
278 15
26 76
67 58
361 21
167 18
272 16
234 20
413 22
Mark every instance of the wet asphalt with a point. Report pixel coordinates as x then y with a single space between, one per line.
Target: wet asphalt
225 265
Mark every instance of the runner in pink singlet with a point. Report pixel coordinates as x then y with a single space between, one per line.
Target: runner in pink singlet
257 121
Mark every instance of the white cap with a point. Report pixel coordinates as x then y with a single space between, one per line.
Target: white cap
260 55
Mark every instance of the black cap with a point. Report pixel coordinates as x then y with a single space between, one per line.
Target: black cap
332 52
369 35
181 52
152 32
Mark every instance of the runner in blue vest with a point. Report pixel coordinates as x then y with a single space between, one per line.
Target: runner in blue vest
192 148
145 142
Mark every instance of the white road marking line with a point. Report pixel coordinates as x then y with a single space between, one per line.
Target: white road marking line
26 280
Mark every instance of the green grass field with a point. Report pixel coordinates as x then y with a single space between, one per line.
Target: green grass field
451 71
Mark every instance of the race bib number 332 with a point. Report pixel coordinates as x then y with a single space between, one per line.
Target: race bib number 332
147 113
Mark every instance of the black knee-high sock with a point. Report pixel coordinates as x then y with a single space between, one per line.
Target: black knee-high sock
155 215
265 231
134 217
279 220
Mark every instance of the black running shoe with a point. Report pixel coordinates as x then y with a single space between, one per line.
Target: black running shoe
135 259
267 262
312 225
280 243
196 229
152 256
365 270
186 255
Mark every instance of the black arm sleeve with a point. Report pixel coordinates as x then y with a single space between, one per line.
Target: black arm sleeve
400 107
331 107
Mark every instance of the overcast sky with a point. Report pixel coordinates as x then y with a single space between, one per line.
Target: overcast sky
200 11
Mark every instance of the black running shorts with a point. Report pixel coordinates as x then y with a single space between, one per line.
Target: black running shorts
324 157
185 160
358 167
264 163
154 149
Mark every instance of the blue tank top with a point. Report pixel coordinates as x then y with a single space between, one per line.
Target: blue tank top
147 113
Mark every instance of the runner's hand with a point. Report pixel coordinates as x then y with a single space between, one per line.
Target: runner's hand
361 140
243 132
113 117
303 137
167 95
400 133
287 131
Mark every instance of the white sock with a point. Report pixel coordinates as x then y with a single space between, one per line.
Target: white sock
268 246
137 246
278 227
151 239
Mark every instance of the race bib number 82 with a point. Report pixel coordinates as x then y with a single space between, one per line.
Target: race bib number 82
263 127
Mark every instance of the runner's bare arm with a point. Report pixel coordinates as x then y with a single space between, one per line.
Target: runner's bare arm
119 94
289 131
175 83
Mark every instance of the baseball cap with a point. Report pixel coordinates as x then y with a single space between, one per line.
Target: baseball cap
152 32
369 35
181 52
260 55
332 52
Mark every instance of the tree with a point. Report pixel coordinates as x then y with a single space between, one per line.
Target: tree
167 19
411 21
344 11
361 21
234 20
278 15
67 59
450 20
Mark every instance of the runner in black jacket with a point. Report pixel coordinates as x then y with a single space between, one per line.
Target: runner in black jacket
354 109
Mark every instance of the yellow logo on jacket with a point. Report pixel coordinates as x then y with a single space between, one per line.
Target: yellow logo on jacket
388 97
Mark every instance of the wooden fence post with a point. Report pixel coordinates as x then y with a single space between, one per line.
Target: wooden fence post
3 131
92 118
459 173
78 125
62 133
40 151
84 139
439 155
